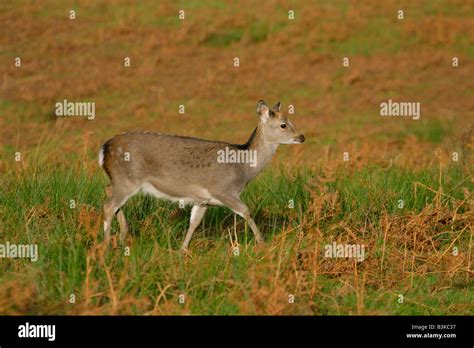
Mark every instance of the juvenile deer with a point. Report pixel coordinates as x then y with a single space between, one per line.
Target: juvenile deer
200 172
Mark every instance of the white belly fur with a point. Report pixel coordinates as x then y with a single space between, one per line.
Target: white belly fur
204 196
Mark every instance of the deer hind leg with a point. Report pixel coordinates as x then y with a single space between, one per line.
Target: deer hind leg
116 198
240 208
123 224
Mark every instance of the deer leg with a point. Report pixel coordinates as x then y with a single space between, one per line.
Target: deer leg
240 208
123 224
197 214
115 200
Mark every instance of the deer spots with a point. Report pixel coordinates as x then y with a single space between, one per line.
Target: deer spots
185 163
195 162
192 164
197 165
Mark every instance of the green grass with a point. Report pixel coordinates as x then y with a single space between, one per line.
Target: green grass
224 37
36 209
257 32
464 45
433 131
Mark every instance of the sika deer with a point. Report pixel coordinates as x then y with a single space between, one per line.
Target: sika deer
200 172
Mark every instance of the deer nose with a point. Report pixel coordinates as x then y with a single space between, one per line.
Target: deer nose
301 138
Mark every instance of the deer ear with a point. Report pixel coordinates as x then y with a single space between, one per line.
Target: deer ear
263 111
277 106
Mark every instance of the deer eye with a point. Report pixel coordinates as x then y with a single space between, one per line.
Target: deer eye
283 125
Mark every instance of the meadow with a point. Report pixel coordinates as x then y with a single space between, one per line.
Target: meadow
403 188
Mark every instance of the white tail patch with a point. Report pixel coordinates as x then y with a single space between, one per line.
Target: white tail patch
101 157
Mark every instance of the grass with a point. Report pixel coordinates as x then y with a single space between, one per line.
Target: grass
36 209
225 37
257 32
369 41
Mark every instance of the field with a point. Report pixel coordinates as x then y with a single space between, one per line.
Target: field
400 187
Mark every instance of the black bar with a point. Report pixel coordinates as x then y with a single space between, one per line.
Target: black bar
195 330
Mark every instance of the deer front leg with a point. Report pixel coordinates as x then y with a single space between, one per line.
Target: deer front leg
240 208
197 213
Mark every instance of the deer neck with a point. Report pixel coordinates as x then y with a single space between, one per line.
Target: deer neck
264 151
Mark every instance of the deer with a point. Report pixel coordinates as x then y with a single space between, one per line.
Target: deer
199 172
